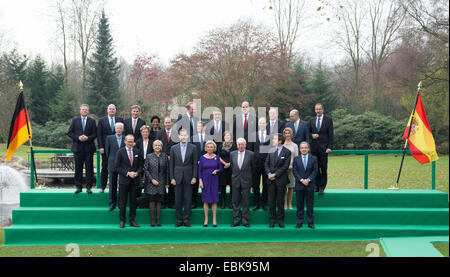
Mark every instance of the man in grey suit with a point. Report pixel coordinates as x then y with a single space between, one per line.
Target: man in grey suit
112 144
183 175
242 168
299 128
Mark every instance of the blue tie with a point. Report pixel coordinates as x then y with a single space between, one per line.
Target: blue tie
112 124
83 122
318 124
304 162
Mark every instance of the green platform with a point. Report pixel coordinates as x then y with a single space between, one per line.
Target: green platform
60 217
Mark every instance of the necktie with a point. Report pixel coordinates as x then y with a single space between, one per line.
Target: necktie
192 122
130 156
318 124
83 121
304 162
112 124
201 141
245 122
134 125
240 160
168 136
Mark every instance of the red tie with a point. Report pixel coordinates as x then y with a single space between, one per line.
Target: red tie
130 156
245 122
168 136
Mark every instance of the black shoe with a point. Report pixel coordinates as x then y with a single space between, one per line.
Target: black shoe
246 225
78 191
235 224
122 224
134 224
178 224
89 191
256 208
214 225
205 225
193 206
311 226
111 208
272 225
158 224
102 190
316 190
281 225
187 224
321 192
152 224
299 226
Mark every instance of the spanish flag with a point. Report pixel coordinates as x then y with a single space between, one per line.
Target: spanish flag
421 141
20 130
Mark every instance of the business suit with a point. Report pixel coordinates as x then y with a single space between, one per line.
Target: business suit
302 191
320 145
279 127
129 127
278 165
241 182
183 122
217 135
302 133
111 148
169 198
127 185
248 133
83 151
183 172
104 129
260 154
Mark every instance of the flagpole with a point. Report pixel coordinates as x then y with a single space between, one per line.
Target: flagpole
29 135
419 86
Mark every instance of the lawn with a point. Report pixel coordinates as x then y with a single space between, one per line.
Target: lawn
442 247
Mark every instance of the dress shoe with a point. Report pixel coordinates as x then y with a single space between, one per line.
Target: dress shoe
264 208
281 225
89 191
299 226
152 224
256 208
158 224
122 224
272 225
246 225
222 206
205 225
187 224
111 208
134 224
178 224
78 191
214 225
321 192
102 190
235 224
311 226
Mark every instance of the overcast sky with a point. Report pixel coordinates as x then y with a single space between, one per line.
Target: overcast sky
161 27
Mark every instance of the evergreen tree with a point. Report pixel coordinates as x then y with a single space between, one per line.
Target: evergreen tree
55 83
35 84
319 89
103 74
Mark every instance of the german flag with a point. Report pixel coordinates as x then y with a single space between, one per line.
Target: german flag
421 141
20 130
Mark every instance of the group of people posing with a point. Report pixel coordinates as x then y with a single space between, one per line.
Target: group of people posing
171 164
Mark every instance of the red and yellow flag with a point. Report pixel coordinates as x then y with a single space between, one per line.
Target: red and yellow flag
20 130
421 141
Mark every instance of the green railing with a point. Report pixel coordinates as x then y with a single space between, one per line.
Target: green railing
61 151
366 154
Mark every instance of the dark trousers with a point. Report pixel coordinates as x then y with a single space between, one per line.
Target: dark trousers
169 197
257 199
195 194
224 180
183 198
104 172
124 192
276 201
300 195
241 195
113 188
87 160
322 163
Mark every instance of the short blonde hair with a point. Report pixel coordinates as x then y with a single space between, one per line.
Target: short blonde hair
211 142
289 130
157 141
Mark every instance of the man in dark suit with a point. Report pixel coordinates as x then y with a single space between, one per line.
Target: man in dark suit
244 126
128 164
134 123
276 166
165 135
112 144
105 127
260 149
183 171
217 127
274 126
321 139
83 132
188 121
305 169
242 168
299 128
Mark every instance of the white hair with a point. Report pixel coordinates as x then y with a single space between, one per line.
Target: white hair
241 140
118 124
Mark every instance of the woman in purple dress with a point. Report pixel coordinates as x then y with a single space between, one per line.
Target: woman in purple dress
208 169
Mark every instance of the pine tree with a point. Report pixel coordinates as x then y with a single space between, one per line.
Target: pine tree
319 88
103 72
35 82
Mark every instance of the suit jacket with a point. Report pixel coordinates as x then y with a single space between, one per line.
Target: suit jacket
280 129
104 129
111 148
326 134
76 130
186 170
242 177
162 136
257 146
299 172
123 165
239 130
302 133
217 137
129 127
183 122
200 147
158 169
140 147
279 165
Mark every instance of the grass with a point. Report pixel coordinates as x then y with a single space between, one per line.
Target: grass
442 247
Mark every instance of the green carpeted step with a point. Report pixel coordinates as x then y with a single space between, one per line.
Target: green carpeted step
323 215
111 234
331 198
412 246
